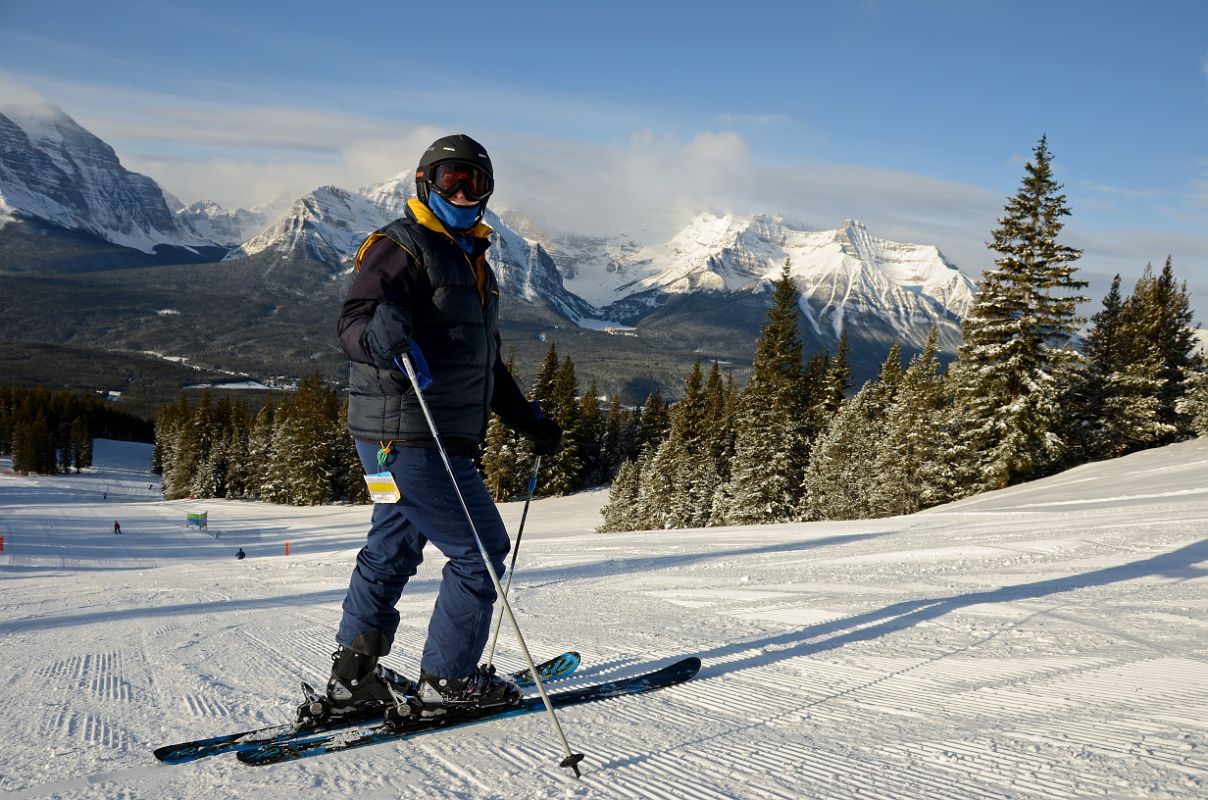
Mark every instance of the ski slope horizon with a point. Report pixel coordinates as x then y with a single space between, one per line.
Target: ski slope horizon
1049 640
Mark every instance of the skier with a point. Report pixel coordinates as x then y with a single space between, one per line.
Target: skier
423 282
117 526
240 555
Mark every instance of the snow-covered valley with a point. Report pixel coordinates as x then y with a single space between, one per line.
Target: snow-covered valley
1045 641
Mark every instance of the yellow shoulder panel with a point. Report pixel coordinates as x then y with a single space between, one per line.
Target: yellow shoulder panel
373 237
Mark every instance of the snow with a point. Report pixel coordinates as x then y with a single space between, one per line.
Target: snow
1045 641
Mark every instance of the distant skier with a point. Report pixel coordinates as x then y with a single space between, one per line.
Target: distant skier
424 278
117 526
240 555
106 497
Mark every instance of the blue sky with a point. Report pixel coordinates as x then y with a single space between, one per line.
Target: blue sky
915 117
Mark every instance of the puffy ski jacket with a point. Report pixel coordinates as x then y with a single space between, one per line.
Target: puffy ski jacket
452 301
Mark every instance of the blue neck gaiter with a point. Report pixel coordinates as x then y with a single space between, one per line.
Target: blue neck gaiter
458 219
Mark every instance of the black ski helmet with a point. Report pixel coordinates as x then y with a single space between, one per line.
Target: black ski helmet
457 147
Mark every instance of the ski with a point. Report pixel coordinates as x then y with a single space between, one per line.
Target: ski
277 752
183 752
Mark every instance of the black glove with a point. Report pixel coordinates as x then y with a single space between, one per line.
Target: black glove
387 335
545 434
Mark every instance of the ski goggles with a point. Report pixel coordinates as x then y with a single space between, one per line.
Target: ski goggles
449 176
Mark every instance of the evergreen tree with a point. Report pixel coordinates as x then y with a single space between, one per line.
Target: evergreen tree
1157 326
1016 355
259 452
562 469
348 460
620 512
841 481
81 443
680 484
658 488
499 467
771 433
652 424
614 428
499 457
309 442
236 482
1119 403
1193 405
547 376
593 469
911 457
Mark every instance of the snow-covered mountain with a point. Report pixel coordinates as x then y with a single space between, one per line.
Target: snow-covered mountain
222 226
845 275
53 169
330 224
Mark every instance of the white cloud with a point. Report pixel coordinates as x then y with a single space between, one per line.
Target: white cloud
17 93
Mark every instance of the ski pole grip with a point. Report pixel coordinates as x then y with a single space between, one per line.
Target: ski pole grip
423 375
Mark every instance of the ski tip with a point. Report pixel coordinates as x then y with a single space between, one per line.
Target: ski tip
685 669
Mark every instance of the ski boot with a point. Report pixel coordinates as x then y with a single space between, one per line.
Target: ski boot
359 687
434 696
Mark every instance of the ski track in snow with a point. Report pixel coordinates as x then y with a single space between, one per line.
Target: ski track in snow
1046 641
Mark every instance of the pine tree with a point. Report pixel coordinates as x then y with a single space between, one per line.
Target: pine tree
547 376
499 465
614 428
841 481
620 512
593 469
1016 355
911 457
1157 323
1193 405
309 443
680 484
81 443
771 434
349 462
651 425
1118 404
236 485
563 467
259 452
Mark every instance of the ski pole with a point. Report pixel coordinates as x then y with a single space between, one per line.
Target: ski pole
571 759
532 485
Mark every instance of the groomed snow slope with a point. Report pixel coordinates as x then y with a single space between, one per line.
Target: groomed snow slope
1049 640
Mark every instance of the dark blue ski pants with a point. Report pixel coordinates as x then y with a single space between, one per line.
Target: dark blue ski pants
428 512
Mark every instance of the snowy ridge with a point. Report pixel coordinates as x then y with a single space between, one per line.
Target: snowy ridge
838 272
219 225
328 224
1046 641
55 170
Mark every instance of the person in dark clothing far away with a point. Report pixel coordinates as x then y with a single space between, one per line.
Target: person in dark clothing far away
423 288
240 555
117 526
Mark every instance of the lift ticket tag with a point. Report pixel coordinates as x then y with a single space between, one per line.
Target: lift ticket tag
382 487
